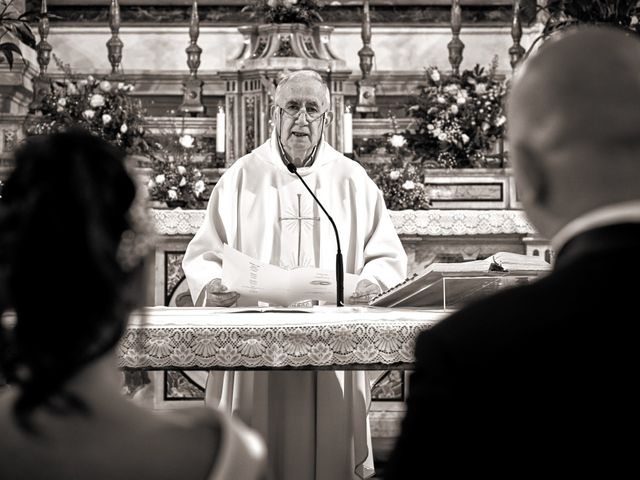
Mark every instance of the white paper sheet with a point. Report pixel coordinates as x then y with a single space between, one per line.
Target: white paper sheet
258 281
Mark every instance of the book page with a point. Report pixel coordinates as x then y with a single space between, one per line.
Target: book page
258 281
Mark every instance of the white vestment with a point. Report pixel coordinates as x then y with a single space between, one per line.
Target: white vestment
315 424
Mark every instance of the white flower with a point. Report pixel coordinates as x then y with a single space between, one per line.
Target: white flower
160 179
461 100
123 128
106 118
481 88
186 141
62 101
442 137
398 141
485 126
429 127
394 175
151 183
173 195
465 138
120 85
199 187
96 100
71 88
105 85
183 182
181 170
500 120
453 109
88 114
91 79
128 88
197 173
408 185
441 99
436 132
83 82
435 75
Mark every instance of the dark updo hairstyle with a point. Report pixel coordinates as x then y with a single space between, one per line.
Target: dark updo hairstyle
63 212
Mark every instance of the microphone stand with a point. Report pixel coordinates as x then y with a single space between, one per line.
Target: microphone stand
339 267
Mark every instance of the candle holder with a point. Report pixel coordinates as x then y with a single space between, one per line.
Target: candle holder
192 87
347 132
220 135
366 86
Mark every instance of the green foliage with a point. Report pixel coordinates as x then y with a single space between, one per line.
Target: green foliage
400 179
176 173
285 11
456 120
14 25
100 106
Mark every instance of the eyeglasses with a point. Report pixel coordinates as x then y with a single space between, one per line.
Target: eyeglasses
311 115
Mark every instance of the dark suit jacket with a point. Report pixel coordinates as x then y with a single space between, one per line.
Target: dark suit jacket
535 380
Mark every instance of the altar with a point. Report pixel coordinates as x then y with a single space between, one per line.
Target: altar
316 338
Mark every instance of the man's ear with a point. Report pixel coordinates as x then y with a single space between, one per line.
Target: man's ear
531 177
328 118
273 112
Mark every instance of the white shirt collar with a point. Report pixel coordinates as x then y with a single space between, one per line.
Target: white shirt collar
623 212
319 159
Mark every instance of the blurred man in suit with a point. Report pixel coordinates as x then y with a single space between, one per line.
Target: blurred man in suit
538 380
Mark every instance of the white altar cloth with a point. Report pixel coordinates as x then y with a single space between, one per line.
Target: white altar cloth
239 338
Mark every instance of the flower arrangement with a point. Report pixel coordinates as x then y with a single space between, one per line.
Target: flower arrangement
177 177
400 179
456 120
285 11
99 106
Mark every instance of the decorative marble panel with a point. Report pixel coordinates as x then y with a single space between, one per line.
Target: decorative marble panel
173 273
389 387
461 192
179 387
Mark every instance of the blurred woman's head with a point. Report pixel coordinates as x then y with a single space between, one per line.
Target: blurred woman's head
72 244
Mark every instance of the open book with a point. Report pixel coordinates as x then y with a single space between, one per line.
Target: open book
257 281
450 285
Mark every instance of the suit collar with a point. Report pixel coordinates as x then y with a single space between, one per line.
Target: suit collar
617 213
599 241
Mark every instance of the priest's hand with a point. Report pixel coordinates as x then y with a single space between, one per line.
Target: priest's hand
365 292
218 296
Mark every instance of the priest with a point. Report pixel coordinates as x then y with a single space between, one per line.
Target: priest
315 423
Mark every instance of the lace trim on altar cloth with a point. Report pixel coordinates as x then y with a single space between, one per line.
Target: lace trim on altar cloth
407 222
384 343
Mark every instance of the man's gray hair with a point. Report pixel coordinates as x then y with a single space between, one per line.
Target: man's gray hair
304 75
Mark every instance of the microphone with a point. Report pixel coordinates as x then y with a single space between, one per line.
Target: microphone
339 267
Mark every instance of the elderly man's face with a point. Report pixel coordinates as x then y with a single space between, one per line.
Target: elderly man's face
299 116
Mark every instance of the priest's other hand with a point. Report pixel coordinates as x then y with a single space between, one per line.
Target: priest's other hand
218 296
365 291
